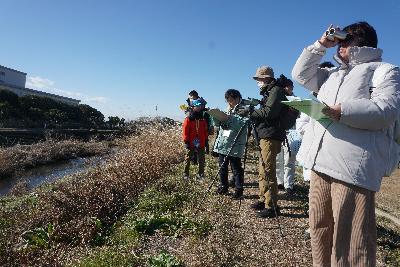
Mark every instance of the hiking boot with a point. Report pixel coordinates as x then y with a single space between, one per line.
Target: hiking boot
268 213
281 187
232 183
258 205
238 193
222 190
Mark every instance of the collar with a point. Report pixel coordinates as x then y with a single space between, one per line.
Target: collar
359 55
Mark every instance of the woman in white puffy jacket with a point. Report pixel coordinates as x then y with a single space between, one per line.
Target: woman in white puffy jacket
348 156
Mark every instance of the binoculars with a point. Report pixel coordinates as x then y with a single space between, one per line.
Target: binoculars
250 102
333 33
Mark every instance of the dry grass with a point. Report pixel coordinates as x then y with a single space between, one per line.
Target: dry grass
42 228
130 212
388 198
21 157
236 238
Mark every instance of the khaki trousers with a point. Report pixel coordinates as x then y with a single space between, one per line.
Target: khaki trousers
268 190
342 223
200 157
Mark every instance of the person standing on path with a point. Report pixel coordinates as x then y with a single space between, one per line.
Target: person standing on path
349 155
271 135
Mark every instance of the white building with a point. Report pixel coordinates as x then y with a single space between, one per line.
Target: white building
14 81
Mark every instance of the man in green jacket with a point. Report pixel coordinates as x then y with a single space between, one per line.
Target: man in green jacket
266 122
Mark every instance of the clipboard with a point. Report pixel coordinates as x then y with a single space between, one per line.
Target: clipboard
218 114
310 107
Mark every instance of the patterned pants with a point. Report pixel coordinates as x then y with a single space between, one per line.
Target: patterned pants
342 223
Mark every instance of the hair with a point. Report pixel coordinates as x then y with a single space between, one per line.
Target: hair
283 81
194 93
363 34
326 64
232 93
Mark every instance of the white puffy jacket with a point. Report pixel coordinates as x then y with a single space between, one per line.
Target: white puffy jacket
356 149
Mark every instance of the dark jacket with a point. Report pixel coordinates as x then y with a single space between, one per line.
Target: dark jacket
266 119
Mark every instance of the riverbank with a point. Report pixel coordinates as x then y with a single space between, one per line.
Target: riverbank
136 210
22 157
48 226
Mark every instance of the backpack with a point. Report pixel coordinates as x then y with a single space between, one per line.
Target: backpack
394 131
288 117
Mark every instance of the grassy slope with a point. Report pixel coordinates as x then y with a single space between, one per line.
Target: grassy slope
236 237
58 222
171 223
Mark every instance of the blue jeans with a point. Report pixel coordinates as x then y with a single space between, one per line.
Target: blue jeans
237 170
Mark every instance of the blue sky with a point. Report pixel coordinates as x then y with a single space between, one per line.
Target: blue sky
127 57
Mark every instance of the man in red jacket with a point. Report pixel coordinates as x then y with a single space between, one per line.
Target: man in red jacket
195 134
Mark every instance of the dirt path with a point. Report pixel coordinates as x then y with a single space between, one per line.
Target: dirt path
386 215
388 198
240 238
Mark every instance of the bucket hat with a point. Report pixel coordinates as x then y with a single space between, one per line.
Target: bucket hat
264 72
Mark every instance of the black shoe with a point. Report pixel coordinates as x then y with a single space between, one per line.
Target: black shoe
258 205
268 213
281 187
232 183
238 194
222 190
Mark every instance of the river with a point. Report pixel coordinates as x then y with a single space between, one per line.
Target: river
48 173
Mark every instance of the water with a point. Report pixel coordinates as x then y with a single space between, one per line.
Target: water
47 173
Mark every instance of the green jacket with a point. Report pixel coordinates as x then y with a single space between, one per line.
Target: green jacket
227 133
266 119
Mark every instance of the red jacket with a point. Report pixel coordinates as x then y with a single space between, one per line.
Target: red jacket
195 128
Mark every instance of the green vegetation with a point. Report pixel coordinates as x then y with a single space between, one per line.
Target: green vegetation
109 257
164 259
31 111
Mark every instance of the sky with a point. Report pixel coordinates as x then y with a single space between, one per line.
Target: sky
132 58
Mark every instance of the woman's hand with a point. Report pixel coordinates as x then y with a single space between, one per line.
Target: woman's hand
333 112
325 41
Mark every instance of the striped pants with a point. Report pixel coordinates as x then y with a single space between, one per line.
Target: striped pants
342 223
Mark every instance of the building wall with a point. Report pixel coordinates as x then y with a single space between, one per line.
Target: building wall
26 91
12 77
14 81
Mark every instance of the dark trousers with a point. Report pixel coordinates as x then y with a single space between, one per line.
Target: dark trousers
237 170
201 160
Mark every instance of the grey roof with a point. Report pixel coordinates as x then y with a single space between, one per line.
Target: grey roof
4 67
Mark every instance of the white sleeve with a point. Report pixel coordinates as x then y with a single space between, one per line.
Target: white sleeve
306 71
378 112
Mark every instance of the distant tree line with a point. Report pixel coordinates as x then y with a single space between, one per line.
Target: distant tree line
32 111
